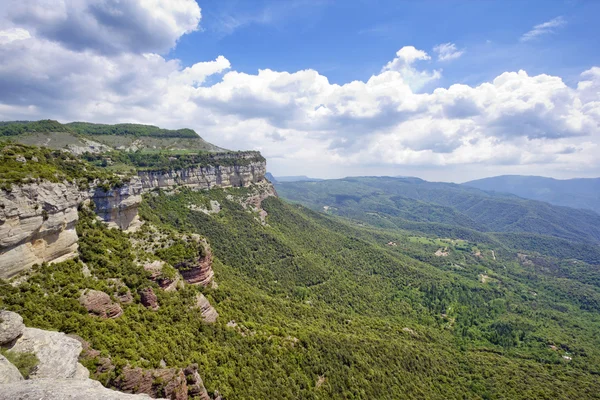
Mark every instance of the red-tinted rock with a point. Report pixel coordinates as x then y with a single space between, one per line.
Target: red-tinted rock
164 382
200 273
99 303
156 274
195 385
149 299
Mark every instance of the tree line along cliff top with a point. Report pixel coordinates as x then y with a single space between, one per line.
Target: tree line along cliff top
81 137
13 128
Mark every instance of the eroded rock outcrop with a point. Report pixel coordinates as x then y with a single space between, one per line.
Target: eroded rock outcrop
37 224
209 314
168 382
57 353
119 206
100 304
63 389
199 272
37 220
149 299
157 274
195 385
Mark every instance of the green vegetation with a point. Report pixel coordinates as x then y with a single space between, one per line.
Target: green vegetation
101 137
14 128
25 362
411 295
169 161
24 164
442 209
326 309
87 128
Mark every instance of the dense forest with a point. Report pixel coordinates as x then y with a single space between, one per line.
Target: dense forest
14 128
441 208
324 308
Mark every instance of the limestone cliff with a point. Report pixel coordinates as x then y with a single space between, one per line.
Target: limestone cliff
246 170
37 224
37 220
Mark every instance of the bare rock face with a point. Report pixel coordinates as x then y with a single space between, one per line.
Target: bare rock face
99 303
149 298
209 314
168 382
200 273
156 274
11 326
63 389
57 353
209 176
195 385
119 206
8 372
37 220
37 224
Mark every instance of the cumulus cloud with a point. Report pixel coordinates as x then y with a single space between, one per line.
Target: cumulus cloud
106 26
447 51
299 120
404 62
544 28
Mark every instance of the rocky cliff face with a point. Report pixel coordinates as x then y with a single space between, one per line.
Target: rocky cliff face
119 206
207 177
37 221
37 224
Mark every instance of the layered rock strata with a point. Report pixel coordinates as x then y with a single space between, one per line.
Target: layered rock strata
99 303
247 171
37 220
208 312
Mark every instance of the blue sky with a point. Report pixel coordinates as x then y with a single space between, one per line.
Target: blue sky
445 90
350 40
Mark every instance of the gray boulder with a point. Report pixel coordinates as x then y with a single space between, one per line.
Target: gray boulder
63 389
57 353
11 326
8 372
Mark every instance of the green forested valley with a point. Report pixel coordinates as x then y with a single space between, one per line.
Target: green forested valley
317 307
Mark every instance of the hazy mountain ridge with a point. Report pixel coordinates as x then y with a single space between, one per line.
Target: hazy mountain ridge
472 208
577 193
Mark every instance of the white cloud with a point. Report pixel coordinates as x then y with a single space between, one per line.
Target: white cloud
106 26
13 34
403 64
447 51
303 123
544 28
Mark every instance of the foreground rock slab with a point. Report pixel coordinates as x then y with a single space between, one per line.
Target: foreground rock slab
62 389
57 353
8 372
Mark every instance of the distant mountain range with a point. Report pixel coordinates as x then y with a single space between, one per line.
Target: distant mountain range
450 210
576 193
298 178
